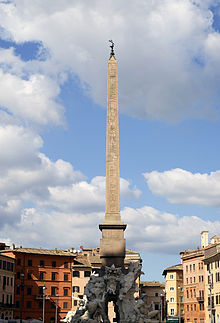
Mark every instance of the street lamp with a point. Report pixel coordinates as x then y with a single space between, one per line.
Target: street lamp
179 289
210 293
22 295
56 307
43 301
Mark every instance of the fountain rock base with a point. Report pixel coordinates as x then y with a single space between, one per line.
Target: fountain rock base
115 285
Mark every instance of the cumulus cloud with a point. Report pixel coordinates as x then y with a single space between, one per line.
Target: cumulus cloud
152 230
174 75
181 186
148 229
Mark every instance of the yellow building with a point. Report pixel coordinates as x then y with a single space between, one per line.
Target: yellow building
174 291
212 283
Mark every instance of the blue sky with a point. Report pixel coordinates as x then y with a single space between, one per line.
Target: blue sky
53 64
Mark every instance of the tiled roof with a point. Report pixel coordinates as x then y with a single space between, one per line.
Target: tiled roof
153 283
178 267
41 251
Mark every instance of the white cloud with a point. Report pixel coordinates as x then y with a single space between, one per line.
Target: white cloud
148 229
174 75
152 230
181 186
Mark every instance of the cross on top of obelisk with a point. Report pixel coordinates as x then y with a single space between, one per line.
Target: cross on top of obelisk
112 48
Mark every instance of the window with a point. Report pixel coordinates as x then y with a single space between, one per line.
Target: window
41 275
187 280
172 300
17 304
191 308
156 306
41 263
40 304
29 291
156 295
187 268
53 276
66 264
19 261
75 302
195 307
65 292
171 288
187 293
3 298
75 289
194 267
65 305
53 305
29 276
4 265
0 264
187 308
53 291
194 279
41 290
18 290
75 273
190 267
190 280
87 273
172 311
18 275
28 304
7 281
29 262
11 281
66 277
54 264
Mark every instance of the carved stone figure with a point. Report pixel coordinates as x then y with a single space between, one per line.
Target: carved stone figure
118 286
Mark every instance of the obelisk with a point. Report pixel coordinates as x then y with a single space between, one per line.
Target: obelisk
112 243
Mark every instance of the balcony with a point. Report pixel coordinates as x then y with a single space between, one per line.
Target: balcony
40 296
200 299
6 305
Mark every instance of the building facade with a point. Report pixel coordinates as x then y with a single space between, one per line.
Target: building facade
174 292
43 282
194 285
153 293
212 283
6 287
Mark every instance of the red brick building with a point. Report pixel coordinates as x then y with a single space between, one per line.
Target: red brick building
6 287
43 280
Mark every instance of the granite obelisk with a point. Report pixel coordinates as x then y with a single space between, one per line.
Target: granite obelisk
112 243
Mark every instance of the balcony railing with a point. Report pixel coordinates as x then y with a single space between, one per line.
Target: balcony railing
6 305
200 299
40 296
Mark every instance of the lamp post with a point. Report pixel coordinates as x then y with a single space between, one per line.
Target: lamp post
179 289
56 308
22 296
210 294
43 302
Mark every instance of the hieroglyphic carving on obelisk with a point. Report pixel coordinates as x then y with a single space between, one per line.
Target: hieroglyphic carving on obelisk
112 243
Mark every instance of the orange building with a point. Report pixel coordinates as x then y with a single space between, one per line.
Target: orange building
43 282
6 287
193 285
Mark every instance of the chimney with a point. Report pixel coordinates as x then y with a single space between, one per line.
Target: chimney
204 239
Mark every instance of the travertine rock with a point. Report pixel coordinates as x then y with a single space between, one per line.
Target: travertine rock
113 285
